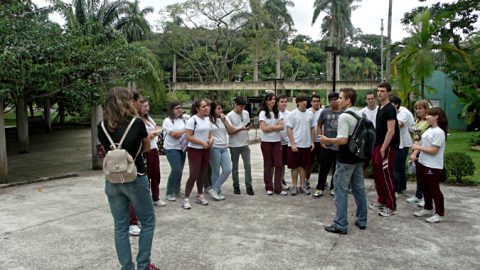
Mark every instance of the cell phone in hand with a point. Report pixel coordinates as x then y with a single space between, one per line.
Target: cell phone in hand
248 124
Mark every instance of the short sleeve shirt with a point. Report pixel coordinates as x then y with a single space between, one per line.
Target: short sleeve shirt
371 114
388 112
274 136
301 124
283 133
328 120
316 116
404 116
219 133
433 137
168 127
200 128
240 138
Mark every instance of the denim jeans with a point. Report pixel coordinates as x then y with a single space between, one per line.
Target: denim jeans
138 194
352 174
176 159
399 170
235 153
219 157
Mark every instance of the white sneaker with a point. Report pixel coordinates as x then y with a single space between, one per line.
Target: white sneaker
283 193
413 199
285 187
434 219
170 198
134 230
421 203
213 194
186 204
332 192
160 203
269 192
221 197
423 213
201 200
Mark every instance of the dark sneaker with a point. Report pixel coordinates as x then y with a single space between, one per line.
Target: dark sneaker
236 190
250 191
333 229
151 266
294 191
361 227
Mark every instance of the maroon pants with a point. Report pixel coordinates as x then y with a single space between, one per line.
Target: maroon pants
198 160
383 176
430 183
153 172
133 216
272 160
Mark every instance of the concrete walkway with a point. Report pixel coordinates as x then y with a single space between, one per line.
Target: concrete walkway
66 224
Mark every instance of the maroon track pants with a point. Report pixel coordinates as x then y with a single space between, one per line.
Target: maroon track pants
198 161
272 160
383 176
153 173
430 183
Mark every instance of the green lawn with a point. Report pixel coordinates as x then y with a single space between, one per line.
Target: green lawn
457 141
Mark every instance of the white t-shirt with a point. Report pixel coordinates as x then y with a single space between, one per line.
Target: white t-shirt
301 124
200 131
240 138
433 137
283 133
151 126
371 114
274 136
168 126
406 117
347 123
316 115
219 133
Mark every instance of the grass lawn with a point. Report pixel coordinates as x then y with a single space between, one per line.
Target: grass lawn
457 141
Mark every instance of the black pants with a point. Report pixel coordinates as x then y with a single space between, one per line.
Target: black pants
327 161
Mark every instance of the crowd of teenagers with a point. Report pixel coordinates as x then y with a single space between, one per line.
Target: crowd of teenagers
213 143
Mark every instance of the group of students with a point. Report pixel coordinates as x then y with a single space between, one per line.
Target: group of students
211 139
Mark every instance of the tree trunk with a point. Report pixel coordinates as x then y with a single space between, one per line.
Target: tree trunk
174 68
96 117
422 82
255 65
3 146
61 112
337 67
329 63
22 125
389 40
277 60
30 106
46 115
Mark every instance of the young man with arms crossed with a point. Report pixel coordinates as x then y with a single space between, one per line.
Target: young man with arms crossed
240 120
300 128
316 109
349 169
371 109
327 126
282 107
383 157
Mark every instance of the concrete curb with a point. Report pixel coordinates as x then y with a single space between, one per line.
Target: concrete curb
42 179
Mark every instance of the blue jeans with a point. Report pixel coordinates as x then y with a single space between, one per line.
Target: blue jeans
219 157
176 159
399 170
138 194
352 174
235 153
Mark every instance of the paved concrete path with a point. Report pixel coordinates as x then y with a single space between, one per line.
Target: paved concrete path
66 224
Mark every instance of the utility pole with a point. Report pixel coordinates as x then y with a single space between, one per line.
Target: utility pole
381 51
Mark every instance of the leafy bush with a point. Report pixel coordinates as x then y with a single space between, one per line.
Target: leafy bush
459 164
474 139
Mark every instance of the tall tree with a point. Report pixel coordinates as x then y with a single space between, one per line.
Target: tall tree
133 23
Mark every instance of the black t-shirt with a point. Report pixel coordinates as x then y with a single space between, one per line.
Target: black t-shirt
385 114
132 141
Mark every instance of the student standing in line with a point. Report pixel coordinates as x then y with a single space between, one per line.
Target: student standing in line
387 139
282 107
118 113
430 164
219 155
174 144
349 171
271 125
300 127
198 135
421 125
153 161
239 140
371 109
316 109
327 126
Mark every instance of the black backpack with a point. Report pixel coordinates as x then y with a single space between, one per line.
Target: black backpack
362 140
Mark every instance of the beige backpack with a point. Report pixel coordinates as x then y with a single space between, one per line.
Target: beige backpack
118 165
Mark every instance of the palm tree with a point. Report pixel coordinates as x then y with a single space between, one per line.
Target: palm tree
417 58
282 24
133 24
337 24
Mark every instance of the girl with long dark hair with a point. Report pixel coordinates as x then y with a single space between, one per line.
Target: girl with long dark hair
430 164
271 124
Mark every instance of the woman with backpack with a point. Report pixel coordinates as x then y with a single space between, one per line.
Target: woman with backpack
153 161
174 148
430 164
200 141
219 154
120 116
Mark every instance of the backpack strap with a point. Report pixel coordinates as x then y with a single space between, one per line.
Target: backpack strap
114 145
126 132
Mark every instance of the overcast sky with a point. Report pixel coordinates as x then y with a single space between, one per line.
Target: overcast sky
367 17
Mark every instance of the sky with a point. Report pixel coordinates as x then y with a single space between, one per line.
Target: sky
367 16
